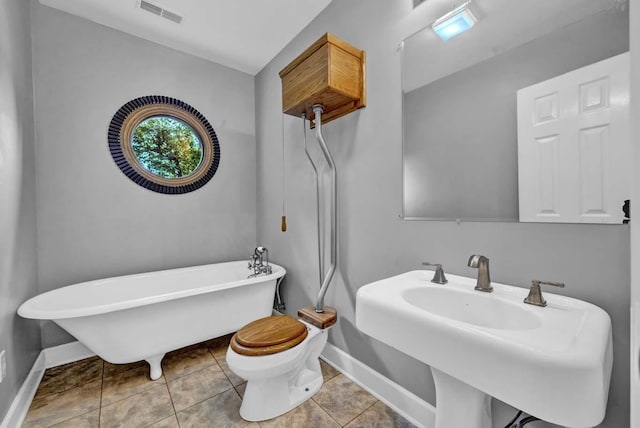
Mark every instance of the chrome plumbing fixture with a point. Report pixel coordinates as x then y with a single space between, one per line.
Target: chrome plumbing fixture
438 274
325 277
535 294
278 302
259 262
482 264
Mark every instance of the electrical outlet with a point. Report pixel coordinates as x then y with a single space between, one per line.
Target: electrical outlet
3 365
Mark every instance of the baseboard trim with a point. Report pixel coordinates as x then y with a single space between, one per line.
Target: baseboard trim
20 405
49 357
66 353
410 406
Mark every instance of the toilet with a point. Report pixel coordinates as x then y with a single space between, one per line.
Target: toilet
279 358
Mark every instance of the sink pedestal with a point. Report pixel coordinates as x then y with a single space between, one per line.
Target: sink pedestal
459 404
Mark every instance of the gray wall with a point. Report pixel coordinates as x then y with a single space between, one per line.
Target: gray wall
18 271
634 18
93 221
374 243
480 150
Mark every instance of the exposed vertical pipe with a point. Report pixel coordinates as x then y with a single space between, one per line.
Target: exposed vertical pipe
317 110
318 221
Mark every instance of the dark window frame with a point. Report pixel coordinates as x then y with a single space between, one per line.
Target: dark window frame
127 119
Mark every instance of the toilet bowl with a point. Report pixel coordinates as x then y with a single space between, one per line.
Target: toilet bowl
282 370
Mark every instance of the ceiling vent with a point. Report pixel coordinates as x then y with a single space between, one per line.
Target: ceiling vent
157 10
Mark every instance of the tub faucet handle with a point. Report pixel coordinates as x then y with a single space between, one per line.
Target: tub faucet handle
535 294
438 275
253 261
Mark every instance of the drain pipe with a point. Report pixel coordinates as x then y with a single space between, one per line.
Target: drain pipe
317 110
318 223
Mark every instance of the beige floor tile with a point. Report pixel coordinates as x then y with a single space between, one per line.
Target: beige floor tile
308 414
328 371
198 386
115 369
52 409
343 399
170 422
240 388
127 383
220 411
380 416
187 360
141 410
88 420
68 376
222 361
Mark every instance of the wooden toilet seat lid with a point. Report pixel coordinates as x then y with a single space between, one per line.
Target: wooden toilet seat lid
268 335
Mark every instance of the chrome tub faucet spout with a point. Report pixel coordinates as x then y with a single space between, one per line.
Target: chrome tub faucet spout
482 264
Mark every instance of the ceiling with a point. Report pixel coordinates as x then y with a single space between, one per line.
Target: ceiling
241 34
502 25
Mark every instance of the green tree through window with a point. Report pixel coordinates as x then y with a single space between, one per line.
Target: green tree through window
167 146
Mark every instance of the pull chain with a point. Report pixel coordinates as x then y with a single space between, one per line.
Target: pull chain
283 223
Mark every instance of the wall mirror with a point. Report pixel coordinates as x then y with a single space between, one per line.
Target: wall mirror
460 120
164 145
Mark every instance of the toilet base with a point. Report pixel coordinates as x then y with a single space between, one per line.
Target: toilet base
268 398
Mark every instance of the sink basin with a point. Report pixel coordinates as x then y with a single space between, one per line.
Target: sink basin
473 308
552 362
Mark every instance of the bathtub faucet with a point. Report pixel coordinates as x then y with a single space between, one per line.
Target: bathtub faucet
259 261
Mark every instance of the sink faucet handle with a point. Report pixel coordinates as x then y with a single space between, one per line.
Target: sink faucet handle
535 294
438 275
555 284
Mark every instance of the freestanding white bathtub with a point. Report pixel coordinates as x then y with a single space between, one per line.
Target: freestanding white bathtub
143 316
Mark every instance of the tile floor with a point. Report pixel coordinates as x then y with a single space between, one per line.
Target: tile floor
196 390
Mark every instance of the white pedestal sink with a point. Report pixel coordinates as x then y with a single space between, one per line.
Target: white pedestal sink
552 362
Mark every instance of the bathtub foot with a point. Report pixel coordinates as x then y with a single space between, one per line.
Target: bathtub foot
155 367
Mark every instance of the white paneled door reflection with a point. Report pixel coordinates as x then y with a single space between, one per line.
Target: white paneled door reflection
574 146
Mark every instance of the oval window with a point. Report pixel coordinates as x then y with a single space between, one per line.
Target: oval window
164 145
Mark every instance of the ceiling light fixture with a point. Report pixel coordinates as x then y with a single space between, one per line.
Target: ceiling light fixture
455 22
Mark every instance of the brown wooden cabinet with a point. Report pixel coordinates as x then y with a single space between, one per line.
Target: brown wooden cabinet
330 72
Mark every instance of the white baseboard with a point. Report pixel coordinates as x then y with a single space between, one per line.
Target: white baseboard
49 357
20 405
411 407
66 353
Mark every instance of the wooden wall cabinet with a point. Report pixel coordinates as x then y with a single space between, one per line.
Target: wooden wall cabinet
330 72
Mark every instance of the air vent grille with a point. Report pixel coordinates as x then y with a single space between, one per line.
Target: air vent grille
171 16
150 7
157 10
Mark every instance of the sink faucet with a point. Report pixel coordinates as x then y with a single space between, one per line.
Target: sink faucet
482 264
259 262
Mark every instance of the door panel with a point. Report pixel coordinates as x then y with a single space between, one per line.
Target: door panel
574 150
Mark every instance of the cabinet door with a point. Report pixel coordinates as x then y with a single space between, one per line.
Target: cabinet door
574 148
